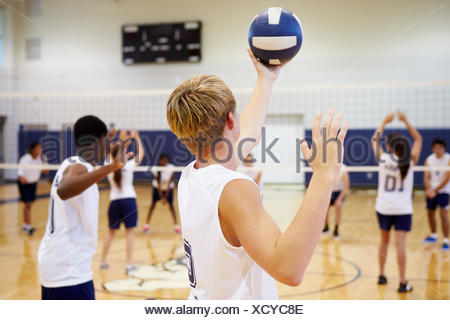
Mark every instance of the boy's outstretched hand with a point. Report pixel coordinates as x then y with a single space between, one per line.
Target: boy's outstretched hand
119 150
327 149
265 71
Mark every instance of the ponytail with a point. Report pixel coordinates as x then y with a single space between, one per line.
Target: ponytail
400 146
118 178
118 173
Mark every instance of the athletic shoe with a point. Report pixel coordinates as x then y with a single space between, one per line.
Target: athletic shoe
31 231
325 229
404 287
336 234
444 247
27 228
129 268
104 266
429 240
382 280
146 229
177 229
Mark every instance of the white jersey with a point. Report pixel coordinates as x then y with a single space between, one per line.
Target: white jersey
164 180
32 175
436 177
70 239
339 184
394 194
126 189
217 270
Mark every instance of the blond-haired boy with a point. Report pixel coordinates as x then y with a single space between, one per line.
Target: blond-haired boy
233 247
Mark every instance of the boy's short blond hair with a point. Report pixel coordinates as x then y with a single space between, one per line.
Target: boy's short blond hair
197 111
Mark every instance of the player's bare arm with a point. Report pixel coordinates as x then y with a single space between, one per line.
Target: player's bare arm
140 147
245 222
417 137
443 183
426 181
253 116
76 178
376 142
258 178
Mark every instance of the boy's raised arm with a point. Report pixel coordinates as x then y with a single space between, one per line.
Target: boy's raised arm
244 220
76 178
254 114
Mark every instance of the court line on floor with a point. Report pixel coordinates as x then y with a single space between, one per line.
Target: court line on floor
355 278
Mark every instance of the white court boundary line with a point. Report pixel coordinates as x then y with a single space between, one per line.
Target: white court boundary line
272 167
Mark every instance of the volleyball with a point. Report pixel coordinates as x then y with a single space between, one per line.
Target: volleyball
275 35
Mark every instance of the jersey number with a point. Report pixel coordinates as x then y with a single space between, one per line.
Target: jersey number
390 184
190 263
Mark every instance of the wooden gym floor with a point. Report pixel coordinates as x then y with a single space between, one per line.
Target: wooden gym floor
340 269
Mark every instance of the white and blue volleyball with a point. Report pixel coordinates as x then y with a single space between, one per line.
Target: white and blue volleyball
275 36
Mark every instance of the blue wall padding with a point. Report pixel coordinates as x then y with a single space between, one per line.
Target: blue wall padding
58 145
358 151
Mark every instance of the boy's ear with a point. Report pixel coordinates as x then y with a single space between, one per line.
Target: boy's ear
230 121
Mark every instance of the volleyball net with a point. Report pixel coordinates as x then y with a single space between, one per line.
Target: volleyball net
48 118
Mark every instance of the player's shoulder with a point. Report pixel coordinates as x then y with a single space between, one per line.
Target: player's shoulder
131 164
430 157
25 157
76 163
240 188
385 156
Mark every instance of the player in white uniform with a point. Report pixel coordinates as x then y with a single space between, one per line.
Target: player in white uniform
163 186
70 239
233 247
437 186
27 182
122 207
337 200
395 185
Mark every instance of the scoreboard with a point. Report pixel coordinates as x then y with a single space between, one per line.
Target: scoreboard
160 43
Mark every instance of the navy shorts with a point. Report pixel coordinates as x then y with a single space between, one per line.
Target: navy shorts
27 191
334 197
401 222
83 291
122 210
169 193
441 200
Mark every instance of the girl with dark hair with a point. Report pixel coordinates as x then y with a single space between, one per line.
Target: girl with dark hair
122 207
27 182
395 185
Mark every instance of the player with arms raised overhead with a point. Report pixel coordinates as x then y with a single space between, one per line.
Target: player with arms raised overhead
234 249
395 185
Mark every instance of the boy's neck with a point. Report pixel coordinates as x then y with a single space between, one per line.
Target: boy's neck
85 155
222 156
